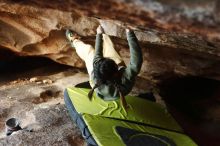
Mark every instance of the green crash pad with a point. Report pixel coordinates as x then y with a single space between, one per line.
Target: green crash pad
140 110
103 131
143 117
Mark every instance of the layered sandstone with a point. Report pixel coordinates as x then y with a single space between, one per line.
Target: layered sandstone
37 28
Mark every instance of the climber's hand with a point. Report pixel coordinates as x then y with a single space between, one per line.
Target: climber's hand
99 30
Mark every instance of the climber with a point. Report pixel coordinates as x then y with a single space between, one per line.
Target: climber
109 76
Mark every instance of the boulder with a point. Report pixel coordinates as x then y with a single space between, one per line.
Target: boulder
37 28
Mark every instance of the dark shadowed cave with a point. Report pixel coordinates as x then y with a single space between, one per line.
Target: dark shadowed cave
14 67
195 102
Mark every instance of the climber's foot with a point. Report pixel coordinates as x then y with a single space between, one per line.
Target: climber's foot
71 35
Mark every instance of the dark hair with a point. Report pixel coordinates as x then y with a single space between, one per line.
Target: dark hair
104 71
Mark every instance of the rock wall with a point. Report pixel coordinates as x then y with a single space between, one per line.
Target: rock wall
183 47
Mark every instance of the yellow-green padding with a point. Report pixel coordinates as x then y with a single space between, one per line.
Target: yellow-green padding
103 131
140 110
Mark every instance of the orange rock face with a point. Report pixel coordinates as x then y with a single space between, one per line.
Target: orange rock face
173 41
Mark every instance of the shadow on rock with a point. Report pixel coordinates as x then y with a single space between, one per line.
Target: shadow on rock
195 104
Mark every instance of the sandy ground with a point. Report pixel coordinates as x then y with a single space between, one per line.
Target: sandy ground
38 103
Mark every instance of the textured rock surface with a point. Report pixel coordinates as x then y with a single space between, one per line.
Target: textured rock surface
39 106
177 38
32 28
